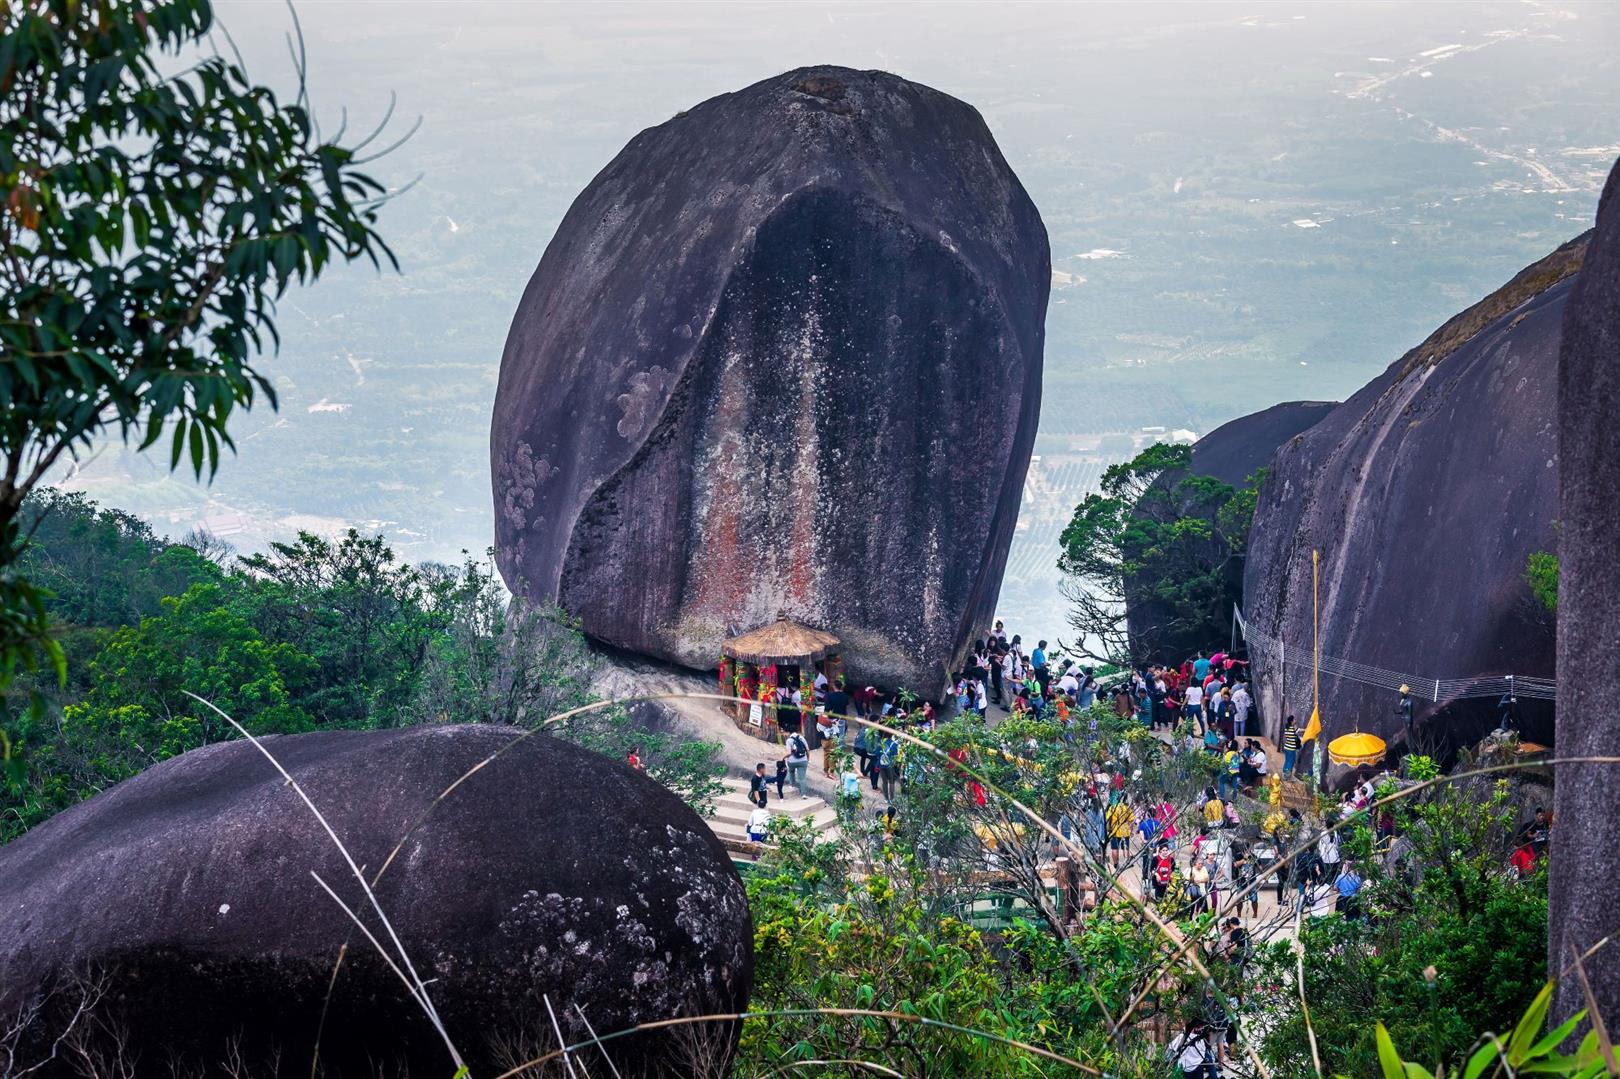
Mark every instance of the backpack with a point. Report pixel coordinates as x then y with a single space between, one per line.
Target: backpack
797 747
891 751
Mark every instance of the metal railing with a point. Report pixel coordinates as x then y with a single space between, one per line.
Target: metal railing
1425 686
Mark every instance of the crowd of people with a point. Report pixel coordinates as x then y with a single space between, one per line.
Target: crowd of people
1224 849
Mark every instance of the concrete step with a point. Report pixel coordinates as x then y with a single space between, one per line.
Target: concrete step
791 805
730 820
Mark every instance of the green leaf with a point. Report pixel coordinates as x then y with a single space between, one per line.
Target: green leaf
1388 1059
179 446
197 448
1556 1037
1529 1025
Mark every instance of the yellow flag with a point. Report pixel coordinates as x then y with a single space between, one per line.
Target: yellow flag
1314 727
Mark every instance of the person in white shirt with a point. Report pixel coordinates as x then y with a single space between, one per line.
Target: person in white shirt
1009 673
1069 683
1195 705
1190 1051
759 826
1240 708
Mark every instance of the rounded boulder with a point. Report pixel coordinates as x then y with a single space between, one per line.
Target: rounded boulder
182 907
782 356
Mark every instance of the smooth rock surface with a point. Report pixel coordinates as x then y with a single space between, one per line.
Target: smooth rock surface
1238 449
1426 492
552 872
1583 909
782 355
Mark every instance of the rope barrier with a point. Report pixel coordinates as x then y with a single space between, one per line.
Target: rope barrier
1426 687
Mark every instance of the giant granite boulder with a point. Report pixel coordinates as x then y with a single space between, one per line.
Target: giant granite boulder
1587 835
782 355
182 902
1426 492
1232 453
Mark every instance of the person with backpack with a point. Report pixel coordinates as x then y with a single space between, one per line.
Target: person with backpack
1192 1053
1167 822
874 756
889 765
861 751
798 761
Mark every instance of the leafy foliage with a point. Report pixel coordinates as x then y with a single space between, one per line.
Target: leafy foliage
1527 1050
825 940
1160 541
314 635
1452 944
1541 574
149 219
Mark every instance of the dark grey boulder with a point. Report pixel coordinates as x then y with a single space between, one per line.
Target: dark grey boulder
1587 834
1238 449
1231 453
782 354
1426 492
552 872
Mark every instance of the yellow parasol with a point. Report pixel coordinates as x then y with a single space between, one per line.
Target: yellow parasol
1356 749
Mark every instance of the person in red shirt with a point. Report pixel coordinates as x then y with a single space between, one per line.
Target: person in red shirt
1523 860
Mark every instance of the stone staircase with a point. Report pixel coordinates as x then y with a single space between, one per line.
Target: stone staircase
731 810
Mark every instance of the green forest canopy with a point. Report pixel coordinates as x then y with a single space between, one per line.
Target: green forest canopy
314 634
